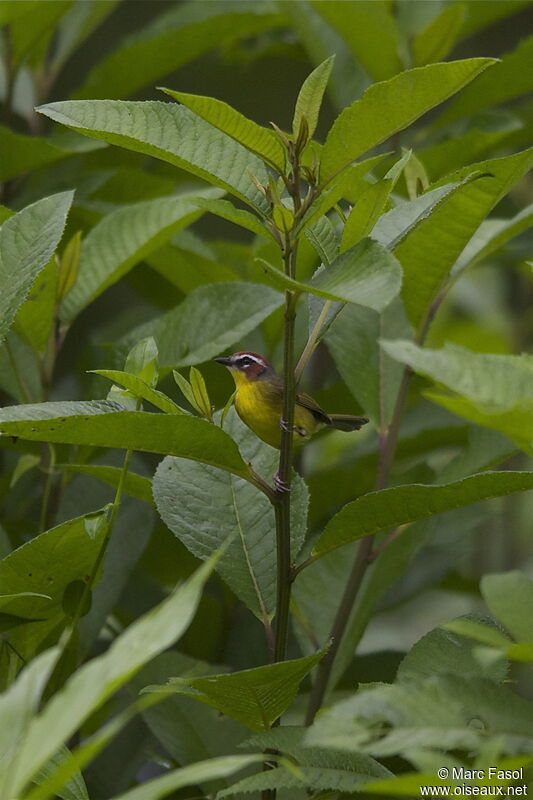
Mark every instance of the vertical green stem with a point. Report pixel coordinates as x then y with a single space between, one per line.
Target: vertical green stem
283 504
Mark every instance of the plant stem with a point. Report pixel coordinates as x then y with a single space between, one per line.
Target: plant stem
388 442
283 505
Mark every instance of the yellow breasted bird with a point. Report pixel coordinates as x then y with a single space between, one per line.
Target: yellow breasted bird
259 402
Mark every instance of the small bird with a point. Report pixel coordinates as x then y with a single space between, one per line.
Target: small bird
259 402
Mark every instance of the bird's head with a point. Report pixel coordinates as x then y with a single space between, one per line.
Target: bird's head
247 366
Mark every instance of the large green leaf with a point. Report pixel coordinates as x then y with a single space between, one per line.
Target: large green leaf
179 35
261 141
124 237
493 382
438 653
20 153
390 106
171 133
141 389
46 565
430 250
369 30
256 697
226 210
510 78
491 235
509 597
434 712
209 320
366 274
371 374
18 704
186 493
105 424
390 508
27 242
97 680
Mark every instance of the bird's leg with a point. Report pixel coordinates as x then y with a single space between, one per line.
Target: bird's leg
280 485
284 425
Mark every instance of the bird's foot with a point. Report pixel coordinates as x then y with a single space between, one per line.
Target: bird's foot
284 425
280 485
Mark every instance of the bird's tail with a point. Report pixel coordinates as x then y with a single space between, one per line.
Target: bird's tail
347 422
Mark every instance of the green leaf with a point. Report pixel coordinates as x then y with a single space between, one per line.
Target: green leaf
430 250
256 697
491 235
35 318
395 225
389 508
310 98
390 106
97 680
68 266
249 564
77 24
441 653
349 184
179 35
142 361
371 375
365 213
226 210
32 30
481 632
200 393
509 78
18 704
516 422
436 40
135 485
210 319
435 713
171 133
121 239
140 389
366 274
27 242
105 424
509 597
24 464
324 239
316 778
369 29
192 775
317 768
73 789
42 569
261 141
20 153
493 382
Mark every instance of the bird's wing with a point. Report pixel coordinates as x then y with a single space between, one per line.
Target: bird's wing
306 401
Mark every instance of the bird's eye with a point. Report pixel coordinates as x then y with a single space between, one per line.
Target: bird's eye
245 362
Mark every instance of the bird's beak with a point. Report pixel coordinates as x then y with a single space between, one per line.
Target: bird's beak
225 361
